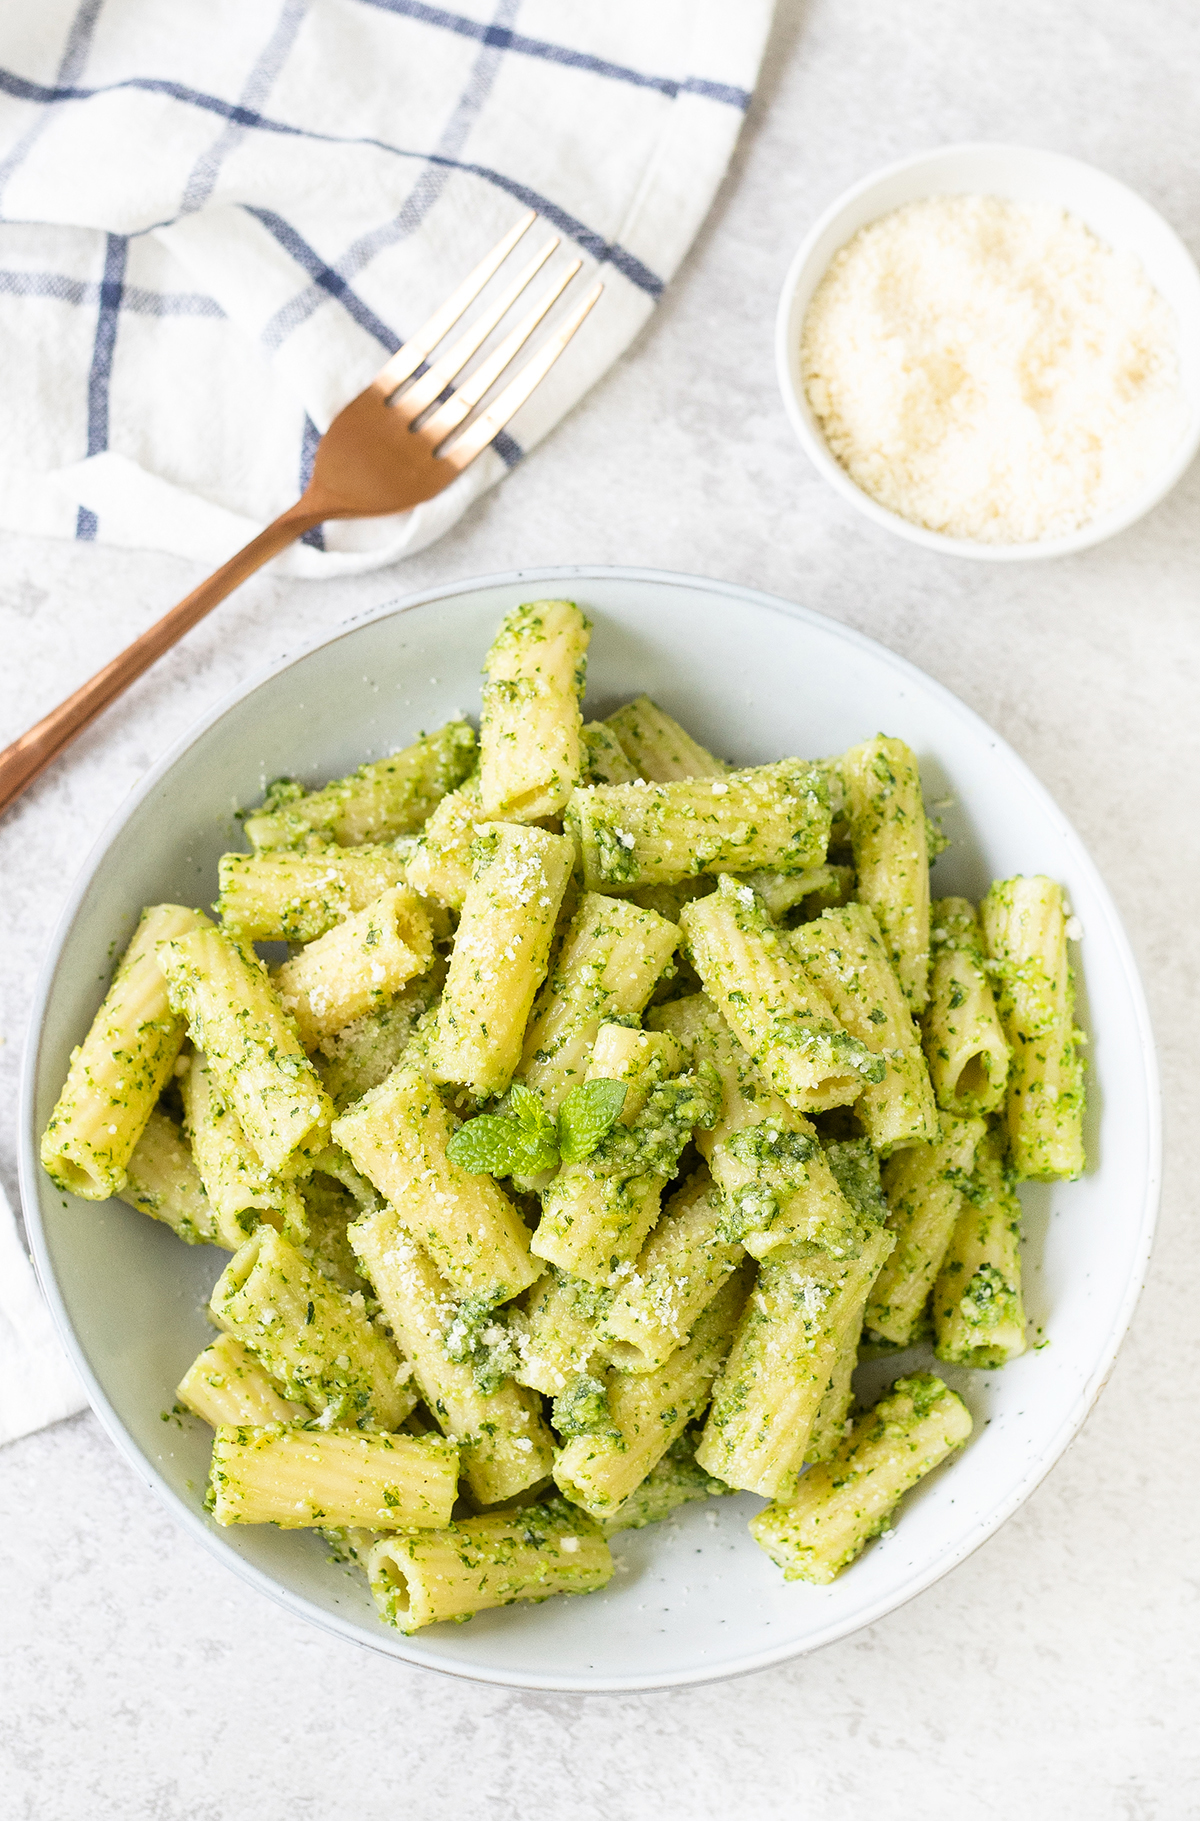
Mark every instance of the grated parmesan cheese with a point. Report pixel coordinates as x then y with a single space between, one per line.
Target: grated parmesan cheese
992 371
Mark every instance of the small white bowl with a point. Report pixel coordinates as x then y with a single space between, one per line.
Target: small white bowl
1114 213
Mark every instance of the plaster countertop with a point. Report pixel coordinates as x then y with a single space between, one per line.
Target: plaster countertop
1054 1673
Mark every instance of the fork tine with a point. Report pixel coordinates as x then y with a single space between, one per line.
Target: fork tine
464 398
406 360
421 394
478 435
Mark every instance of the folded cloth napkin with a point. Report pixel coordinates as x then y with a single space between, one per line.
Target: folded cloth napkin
38 1384
218 217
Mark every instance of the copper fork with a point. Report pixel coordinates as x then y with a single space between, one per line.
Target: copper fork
392 447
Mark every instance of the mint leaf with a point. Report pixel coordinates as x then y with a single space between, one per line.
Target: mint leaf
490 1146
526 1106
587 1115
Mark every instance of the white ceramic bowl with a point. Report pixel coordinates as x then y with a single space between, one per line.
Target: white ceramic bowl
753 677
1115 214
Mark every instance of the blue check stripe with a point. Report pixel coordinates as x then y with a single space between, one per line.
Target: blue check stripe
62 288
607 253
502 38
116 254
324 275
100 377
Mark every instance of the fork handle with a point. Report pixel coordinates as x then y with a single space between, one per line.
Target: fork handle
29 756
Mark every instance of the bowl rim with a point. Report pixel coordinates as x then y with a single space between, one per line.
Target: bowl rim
396 1645
1097 530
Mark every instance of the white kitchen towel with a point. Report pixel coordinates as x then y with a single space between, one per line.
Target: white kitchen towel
38 1384
218 218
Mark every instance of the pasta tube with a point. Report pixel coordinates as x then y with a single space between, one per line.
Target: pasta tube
669 900
658 748
891 854
286 897
487 1561
833 1412
843 954
295 1478
675 1481
317 1341
530 749
596 1214
506 1447
1025 925
329 1209
776 1182
964 1040
771 1004
679 1270
240 1190
641 1059
440 864
500 955
121 1067
840 1505
357 967
648 1411
604 758
769 816
360 1056
611 957
234 1015
978 1312
819 888
227 1384
162 1180
557 1331
924 1193
801 1313
390 797
397 1136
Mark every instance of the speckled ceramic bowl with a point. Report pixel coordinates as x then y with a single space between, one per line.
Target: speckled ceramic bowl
753 677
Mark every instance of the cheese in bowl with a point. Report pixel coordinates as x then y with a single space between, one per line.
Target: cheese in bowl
992 371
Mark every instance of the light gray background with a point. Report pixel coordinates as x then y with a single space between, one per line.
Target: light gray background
1054 1674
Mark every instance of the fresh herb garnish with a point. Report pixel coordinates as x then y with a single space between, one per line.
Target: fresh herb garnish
527 1140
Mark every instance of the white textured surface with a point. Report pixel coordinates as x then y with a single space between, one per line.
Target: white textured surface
1054 1674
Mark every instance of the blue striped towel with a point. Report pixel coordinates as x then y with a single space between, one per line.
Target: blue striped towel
217 218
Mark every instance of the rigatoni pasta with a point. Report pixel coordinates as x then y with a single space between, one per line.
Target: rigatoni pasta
1025 925
318 1342
772 1004
530 748
297 1477
978 1311
505 1445
487 1561
553 1159
842 1503
227 1383
389 797
501 951
770 816
287 897
397 1136
357 967
161 1179
235 1016
658 748
843 954
891 854
611 958
965 1045
122 1066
